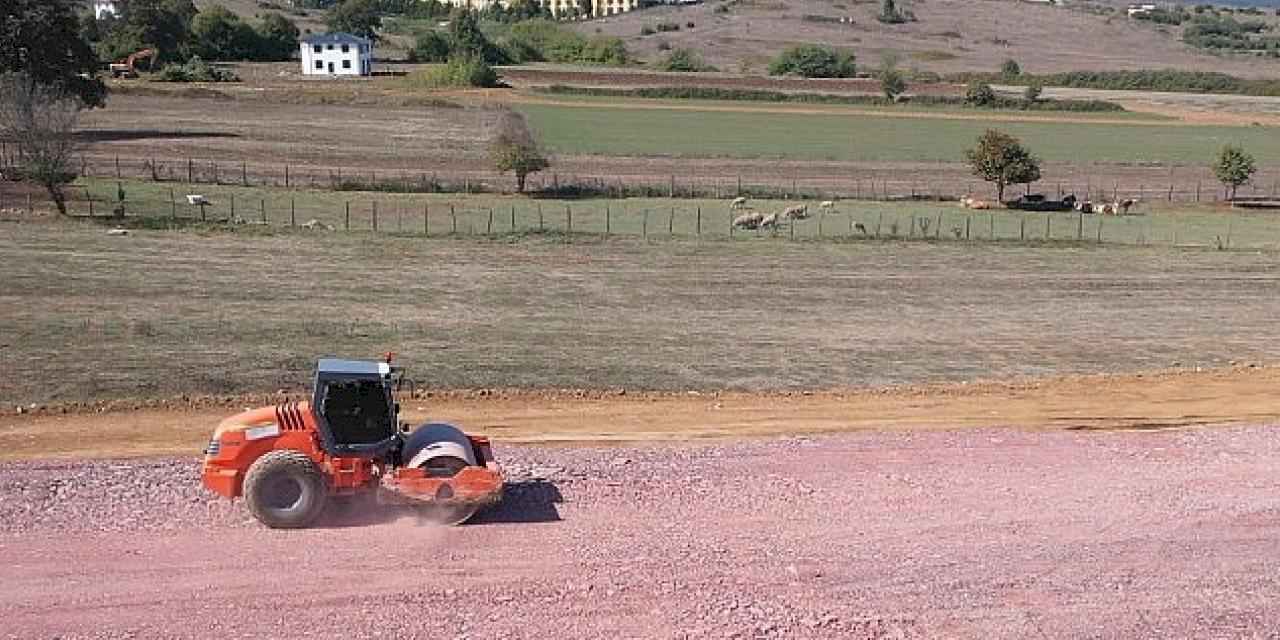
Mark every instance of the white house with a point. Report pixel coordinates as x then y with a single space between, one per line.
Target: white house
104 8
336 54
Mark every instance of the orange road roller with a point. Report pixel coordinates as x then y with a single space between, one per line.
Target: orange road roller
287 461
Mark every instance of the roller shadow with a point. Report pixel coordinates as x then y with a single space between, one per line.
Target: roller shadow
524 502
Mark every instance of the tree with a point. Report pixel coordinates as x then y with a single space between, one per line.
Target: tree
39 121
891 14
43 40
218 34
278 37
1032 92
1010 69
360 17
685 60
430 46
892 81
466 38
1233 167
1001 158
164 25
813 61
514 148
979 94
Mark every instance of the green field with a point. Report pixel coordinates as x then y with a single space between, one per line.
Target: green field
591 129
1161 224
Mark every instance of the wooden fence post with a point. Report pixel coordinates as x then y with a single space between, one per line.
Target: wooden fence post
699 227
644 226
608 220
968 221
233 206
173 205
1022 231
262 208
89 196
1100 219
190 170
426 220
991 217
293 212
1047 227
671 222
568 212
347 224
375 215
540 225
513 218
453 214
488 229
244 173
286 176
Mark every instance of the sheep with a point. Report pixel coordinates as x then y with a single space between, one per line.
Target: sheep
979 204
769 222
797 212
827 205
861 229
748 220
1126 204
314 225
738 203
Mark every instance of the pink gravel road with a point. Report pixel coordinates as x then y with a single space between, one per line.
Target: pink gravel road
960 534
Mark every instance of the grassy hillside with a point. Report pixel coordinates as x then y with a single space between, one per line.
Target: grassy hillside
947 37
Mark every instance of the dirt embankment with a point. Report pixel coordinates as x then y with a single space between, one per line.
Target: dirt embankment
1169 399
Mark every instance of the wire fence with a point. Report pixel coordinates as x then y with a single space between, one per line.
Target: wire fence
406 215
1191 187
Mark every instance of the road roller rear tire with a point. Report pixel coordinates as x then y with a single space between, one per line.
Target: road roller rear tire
285 490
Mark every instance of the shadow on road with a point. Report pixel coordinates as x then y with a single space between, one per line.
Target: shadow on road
120 135
530 501
522 502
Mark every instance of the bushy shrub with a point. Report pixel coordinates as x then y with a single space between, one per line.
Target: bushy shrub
684 60
462 71
979 94
555 43
195 70
813 61
664 27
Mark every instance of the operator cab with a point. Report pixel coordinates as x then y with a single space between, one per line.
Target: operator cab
354 408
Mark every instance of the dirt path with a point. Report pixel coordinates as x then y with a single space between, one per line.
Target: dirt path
1137 402
958 534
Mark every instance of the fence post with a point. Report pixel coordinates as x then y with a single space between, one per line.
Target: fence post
488 229
190 170
453 215
375 215
540 225
879 220
1197 191
293 212
244 173
739 191
286 176
89 196
173 205
1047 227
426 220
30 206
513 218
347 223
699 227
1170 192
792 229
671 222
991 217
262 208
399 218
117 167
1080 226
644 226
608 220
968 221
233 206
1022 231
1100 219
568 212
671 192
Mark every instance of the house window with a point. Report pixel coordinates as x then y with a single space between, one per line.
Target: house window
346 64
346 48
316 48
319 64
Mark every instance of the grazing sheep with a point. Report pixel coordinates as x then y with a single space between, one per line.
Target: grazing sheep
861 229
314 225
739 203
979 204
797 212
827 205
748 220
769 222
1126 204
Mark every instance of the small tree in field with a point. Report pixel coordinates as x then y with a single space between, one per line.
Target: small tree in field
515 149
1001 158
40 121
892 81
1234 166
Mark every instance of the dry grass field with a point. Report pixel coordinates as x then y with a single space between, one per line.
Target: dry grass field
155 314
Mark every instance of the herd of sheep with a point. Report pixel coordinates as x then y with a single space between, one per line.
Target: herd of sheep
761 220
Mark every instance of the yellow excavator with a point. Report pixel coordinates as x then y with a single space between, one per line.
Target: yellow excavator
125 68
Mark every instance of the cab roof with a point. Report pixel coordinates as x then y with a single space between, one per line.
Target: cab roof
340 367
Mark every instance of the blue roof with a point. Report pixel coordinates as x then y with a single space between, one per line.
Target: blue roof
337 37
